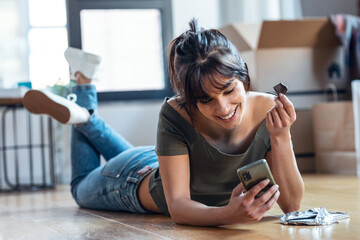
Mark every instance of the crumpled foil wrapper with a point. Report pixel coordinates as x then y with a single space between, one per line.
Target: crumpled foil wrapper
313 217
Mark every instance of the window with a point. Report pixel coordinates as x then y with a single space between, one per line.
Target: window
131 37
47 39
32 42
13 43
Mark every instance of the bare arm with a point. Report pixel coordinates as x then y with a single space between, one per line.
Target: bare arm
242 208
282 158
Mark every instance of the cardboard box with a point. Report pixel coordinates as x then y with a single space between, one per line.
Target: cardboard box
302 139
337 162
302 133
299 53
334 138
334 126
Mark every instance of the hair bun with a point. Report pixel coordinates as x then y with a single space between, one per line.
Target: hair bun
194 26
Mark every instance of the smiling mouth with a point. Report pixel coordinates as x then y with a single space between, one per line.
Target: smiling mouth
230 115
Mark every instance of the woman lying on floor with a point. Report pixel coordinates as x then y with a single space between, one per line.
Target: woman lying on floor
211 127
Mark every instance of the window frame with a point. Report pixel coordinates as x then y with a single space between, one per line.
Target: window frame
73 8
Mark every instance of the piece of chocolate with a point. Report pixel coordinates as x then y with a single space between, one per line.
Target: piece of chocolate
280 88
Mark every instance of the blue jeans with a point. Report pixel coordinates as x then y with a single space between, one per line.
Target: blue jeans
114 185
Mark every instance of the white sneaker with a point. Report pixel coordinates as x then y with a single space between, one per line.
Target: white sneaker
65 111
81 61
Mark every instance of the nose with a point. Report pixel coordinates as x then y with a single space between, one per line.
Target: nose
223 106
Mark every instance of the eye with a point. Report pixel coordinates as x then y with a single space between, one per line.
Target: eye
205 100
228 92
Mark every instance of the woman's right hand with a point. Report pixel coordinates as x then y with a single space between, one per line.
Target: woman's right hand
244 208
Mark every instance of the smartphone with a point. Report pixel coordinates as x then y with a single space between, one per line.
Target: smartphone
252 174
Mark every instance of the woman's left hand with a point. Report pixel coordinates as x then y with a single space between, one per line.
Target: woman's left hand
280 117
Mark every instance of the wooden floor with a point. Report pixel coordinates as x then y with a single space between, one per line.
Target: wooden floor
54 215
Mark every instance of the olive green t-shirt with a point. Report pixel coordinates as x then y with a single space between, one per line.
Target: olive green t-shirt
212 172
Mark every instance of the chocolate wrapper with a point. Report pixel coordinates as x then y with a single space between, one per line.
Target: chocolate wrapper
314 217
280 88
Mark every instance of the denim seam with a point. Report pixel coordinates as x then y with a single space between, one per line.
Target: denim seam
130 203
99 195
112 174
135 167
136 189
137 184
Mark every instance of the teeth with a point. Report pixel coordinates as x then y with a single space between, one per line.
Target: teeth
228 116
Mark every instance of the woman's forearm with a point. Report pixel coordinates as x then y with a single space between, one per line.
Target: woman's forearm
242 207
286 173
189 212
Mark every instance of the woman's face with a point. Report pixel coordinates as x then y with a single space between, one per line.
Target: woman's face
224 107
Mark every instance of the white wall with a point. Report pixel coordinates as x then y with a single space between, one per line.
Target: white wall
135 120
206 11
254 11
314 8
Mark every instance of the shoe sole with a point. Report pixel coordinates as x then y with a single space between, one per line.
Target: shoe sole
38 102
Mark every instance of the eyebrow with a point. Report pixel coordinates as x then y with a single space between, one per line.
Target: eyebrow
228 84
222 87
214 82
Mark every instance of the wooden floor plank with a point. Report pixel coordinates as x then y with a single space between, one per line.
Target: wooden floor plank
53 214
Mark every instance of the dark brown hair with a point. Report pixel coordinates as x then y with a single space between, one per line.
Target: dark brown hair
200 55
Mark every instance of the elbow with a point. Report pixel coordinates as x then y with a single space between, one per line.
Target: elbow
175 215
182 217
291 207
176 218
178 210
294 204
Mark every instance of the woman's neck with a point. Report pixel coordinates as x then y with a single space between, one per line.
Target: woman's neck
212 130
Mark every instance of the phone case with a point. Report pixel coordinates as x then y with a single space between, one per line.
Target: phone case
252 174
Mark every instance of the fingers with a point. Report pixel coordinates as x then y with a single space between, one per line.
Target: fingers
287 106
246 207
283 114
238 190
250 195
269 119
278 121
267 200
273 118
270 203
267 195
266 206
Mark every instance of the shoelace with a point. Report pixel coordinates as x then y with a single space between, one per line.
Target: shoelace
72 97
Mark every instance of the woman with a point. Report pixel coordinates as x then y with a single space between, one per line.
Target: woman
212 126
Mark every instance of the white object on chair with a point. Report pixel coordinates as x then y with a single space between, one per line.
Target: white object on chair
81 61
355 88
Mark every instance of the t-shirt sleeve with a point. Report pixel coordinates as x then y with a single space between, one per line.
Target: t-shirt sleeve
170 139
